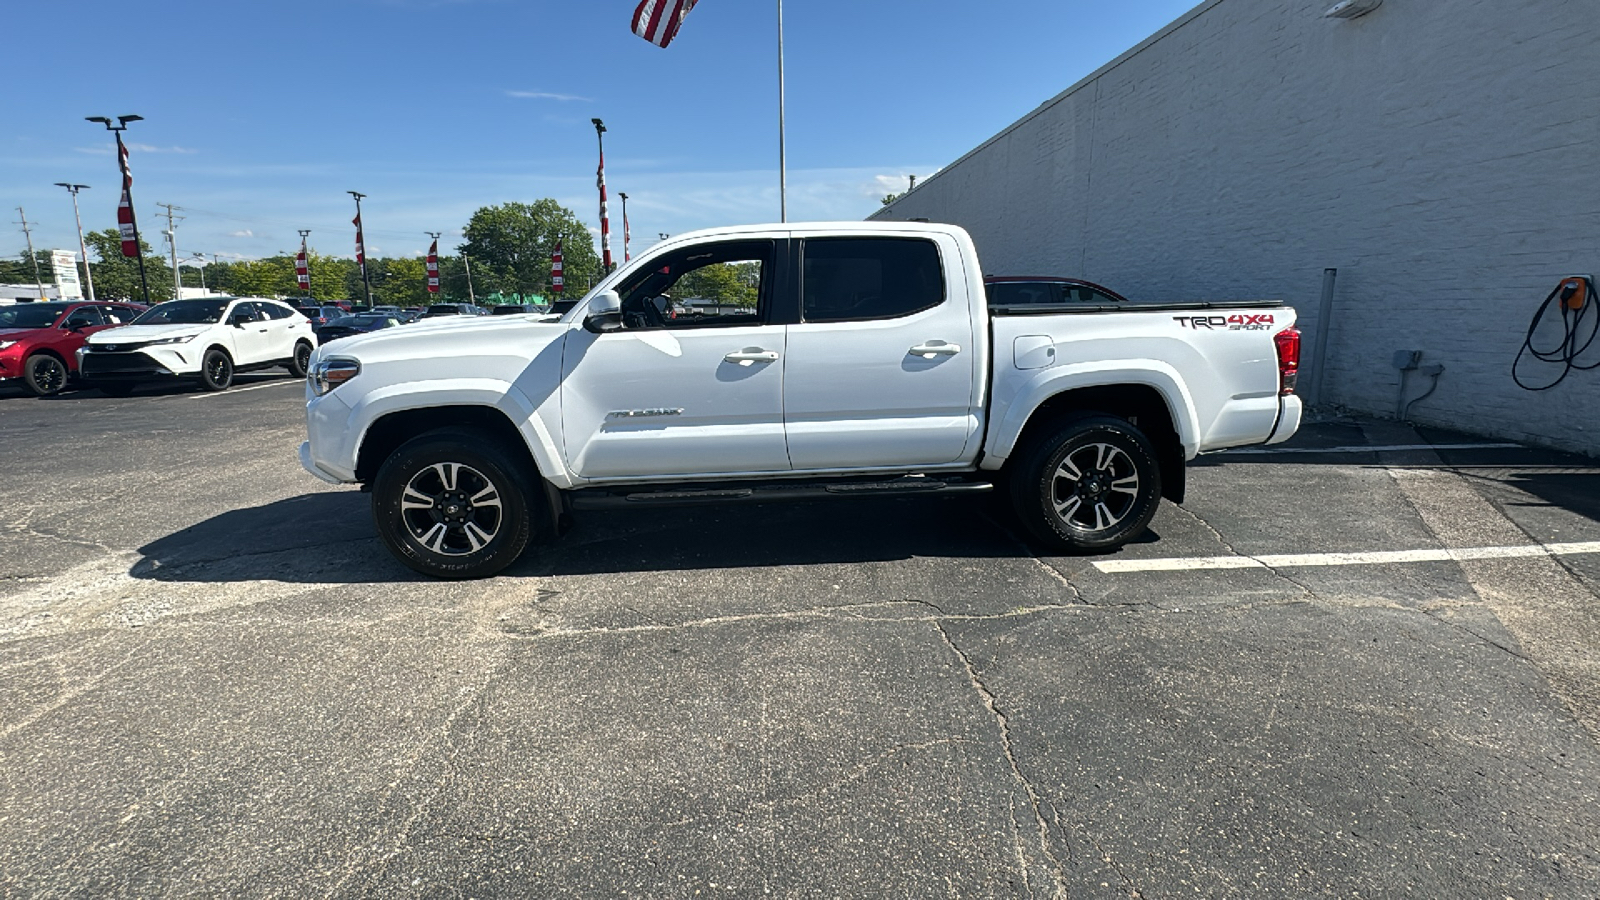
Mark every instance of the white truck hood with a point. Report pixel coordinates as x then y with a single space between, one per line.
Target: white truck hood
142 334
465 339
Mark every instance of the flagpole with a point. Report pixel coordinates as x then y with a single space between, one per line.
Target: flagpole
361 236
605 220
783 172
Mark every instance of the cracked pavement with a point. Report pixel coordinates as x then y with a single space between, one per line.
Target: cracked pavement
214 680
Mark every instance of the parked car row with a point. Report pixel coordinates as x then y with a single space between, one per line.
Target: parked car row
114 346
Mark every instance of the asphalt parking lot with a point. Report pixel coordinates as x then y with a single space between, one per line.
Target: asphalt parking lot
215 681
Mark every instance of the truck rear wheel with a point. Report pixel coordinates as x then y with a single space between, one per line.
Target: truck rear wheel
450 505
1092 484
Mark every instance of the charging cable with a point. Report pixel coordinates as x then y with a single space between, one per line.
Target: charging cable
1576 298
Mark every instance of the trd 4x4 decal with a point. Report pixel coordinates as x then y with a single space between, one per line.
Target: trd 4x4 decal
1236 322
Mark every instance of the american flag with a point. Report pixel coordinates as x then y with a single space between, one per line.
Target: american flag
130 240
605 222
302 275
361 247
657 21
555 270
433 267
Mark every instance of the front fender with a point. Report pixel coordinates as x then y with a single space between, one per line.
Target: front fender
489 392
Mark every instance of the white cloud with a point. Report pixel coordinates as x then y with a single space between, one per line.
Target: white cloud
544 95
148 148
134 148
247 233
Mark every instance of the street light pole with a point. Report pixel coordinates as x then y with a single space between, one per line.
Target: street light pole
783 168
127 190
83 248
625 229
32 257
361 246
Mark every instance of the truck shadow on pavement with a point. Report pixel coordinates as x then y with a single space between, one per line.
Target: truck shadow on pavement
328 538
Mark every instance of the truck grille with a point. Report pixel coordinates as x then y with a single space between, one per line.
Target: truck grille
102 362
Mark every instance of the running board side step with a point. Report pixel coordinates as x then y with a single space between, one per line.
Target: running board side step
593 499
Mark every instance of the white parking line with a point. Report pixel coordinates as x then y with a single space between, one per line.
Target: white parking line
254 387
1377 557
1255 451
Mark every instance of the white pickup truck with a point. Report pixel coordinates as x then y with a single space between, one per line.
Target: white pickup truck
785 361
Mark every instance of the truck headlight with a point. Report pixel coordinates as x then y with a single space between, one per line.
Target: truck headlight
329 373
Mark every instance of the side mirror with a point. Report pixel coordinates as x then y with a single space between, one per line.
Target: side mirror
604 314
238 319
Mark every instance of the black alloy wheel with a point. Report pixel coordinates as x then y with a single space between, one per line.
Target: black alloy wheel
452 505
1092 484
44 374
301 361
216 370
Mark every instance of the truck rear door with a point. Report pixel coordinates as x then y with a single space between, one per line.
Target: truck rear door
882 367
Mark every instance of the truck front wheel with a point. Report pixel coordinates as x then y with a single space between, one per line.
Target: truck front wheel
449 504
1092 484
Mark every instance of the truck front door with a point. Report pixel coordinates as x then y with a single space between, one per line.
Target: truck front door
692 385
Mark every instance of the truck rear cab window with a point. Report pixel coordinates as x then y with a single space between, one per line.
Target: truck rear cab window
707 285
854 279
1018 293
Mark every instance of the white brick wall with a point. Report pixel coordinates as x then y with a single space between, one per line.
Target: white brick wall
1443 156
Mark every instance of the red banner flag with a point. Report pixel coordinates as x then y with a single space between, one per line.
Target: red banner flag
302 274
129 235
433 268
361 247
657 21
555 270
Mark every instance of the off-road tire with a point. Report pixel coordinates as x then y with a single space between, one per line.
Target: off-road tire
453 504
1110 501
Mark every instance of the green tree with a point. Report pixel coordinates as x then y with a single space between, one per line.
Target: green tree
116 277
399 282
729 284
510 247
272 276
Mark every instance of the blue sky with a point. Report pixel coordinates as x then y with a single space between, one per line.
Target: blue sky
260 116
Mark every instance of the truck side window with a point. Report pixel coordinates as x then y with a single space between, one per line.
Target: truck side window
707 285
851 279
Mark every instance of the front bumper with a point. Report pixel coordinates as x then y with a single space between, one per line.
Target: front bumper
309 466
139 363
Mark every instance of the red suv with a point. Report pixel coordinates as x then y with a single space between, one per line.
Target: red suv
39 341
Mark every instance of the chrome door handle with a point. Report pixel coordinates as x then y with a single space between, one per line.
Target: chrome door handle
930 349
749 356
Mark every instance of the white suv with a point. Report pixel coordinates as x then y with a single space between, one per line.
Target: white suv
205 340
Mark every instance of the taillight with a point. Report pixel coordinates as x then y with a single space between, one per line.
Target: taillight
1288 343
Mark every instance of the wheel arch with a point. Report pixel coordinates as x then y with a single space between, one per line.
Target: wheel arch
392 429
51 351
1142 405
